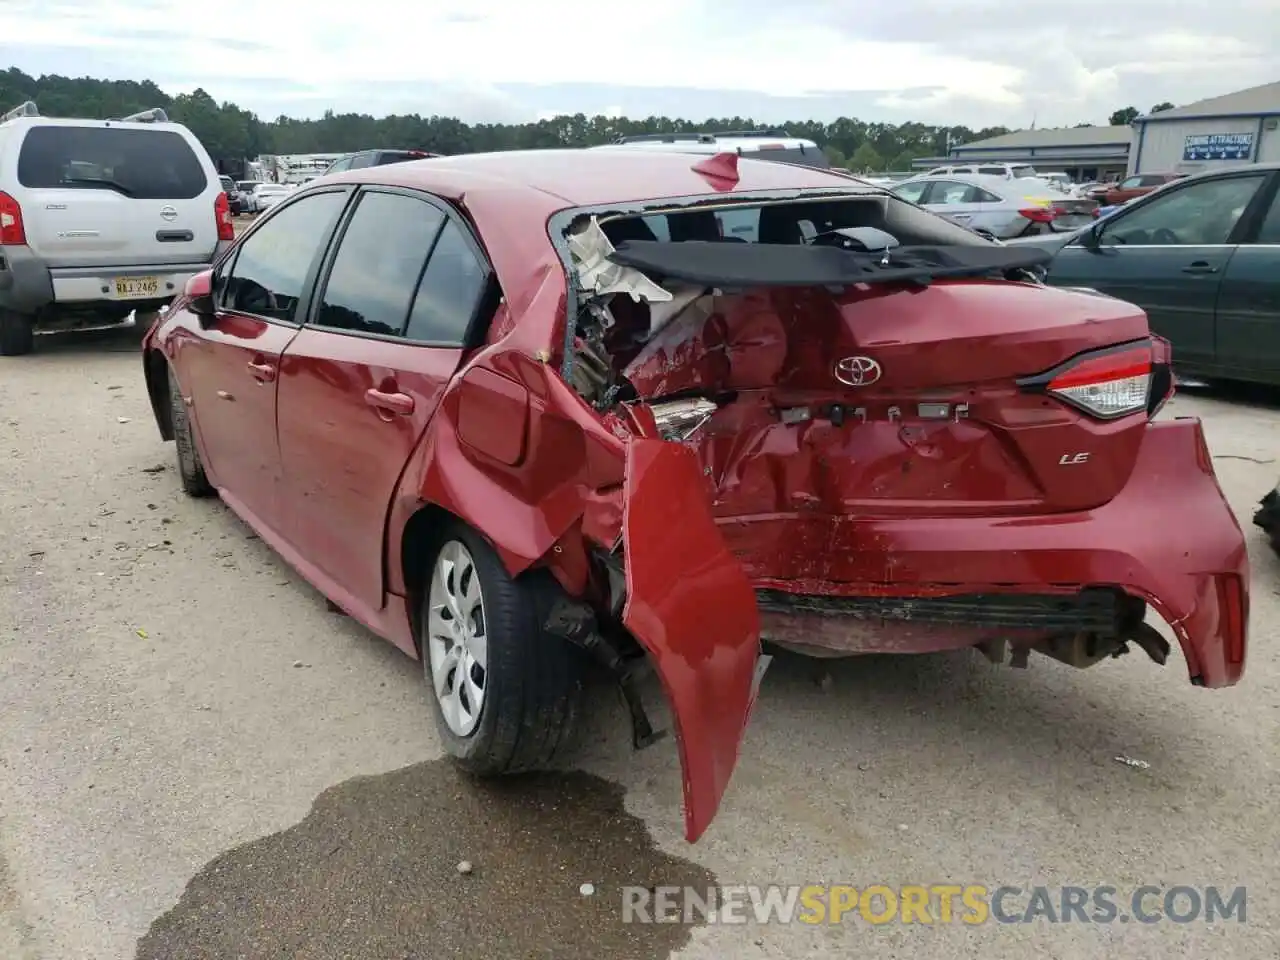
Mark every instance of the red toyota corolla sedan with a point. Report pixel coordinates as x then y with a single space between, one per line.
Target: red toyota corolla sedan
517 412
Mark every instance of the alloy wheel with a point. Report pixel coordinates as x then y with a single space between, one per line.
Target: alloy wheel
457 638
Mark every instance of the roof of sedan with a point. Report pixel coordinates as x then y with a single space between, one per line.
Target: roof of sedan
590 177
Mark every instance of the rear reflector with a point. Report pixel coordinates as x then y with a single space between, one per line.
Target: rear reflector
1235 615
1106 384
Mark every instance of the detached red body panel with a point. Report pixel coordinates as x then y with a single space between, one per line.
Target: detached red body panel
690 604
833 468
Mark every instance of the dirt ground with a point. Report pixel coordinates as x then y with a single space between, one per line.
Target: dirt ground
198 760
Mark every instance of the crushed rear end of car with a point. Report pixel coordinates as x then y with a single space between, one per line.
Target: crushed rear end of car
865 430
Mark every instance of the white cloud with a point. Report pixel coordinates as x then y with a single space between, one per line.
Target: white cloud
980 62
641 43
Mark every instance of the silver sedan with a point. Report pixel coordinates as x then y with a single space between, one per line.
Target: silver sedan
1000 207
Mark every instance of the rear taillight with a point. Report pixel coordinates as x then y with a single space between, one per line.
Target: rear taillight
1163 383
1039 214
1106 384
12 232
222 212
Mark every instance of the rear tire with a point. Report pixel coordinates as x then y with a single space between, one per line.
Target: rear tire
17 333
504 693
190 469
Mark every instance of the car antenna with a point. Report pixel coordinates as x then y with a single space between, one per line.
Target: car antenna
722 167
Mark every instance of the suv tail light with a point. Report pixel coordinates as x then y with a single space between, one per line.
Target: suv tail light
222 212
1107 384
12 232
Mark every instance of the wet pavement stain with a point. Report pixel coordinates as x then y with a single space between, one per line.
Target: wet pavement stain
372 874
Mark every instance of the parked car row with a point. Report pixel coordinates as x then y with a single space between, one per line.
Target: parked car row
997 206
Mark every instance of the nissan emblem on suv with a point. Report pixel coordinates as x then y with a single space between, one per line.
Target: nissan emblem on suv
857 371
169 213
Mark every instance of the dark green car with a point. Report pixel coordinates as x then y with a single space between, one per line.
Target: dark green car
1202 257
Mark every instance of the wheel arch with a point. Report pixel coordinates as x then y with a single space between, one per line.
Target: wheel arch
418 538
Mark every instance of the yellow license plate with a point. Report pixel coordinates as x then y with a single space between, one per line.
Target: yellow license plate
128 288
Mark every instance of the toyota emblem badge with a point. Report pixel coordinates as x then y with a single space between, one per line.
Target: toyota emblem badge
857 371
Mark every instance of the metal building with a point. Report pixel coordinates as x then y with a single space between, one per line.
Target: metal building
1084 153
1223 131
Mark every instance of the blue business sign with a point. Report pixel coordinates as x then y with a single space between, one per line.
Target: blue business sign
1218 146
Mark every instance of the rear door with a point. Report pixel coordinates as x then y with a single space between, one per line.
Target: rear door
363 378
1168 254
125 193
229 370
954 200
1248 327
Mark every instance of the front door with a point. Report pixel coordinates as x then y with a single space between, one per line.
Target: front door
230 372
1168 255
359 384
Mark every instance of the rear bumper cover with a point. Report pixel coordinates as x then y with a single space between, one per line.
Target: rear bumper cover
1168 538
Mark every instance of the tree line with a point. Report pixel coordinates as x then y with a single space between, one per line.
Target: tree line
230 133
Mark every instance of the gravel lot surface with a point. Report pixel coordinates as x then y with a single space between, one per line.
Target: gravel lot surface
199 760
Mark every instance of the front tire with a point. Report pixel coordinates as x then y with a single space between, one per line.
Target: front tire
504 693
17 334
190 468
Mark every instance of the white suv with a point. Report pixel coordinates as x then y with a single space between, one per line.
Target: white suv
775 145
99 219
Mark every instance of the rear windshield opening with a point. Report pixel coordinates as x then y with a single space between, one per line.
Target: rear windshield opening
793 223
135 161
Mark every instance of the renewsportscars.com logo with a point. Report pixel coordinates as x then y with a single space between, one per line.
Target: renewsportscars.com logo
971 904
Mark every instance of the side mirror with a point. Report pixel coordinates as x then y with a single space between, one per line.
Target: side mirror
199 294
1091 239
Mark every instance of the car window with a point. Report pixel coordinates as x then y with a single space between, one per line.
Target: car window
134 160
984 196
360 161
450 292
911 192
272 264
962 170
1020 173
997 171
740 224
1131 183
949 192
339 166
247 185
1202 214
379 260
795 222
1269 231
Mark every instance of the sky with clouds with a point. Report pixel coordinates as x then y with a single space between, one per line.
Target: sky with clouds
972 62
